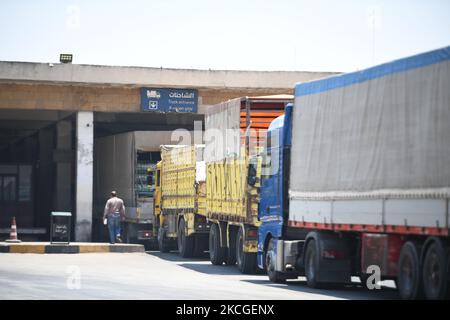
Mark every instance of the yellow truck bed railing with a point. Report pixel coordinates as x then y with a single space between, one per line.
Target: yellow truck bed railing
180 190
228 196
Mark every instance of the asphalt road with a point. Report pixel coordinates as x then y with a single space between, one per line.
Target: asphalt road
150 275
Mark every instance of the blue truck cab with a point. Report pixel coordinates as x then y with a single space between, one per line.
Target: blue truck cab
273 207
280 246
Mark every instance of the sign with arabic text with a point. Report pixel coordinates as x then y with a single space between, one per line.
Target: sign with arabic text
169 100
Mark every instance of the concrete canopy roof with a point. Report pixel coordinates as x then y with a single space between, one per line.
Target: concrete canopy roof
19 72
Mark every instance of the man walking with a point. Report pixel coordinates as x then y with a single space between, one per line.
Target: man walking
115 213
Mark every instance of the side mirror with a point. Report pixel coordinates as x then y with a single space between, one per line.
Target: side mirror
251 177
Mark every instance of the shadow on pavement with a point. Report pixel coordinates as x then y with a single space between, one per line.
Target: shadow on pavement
175 257
200 264
212 269
354 291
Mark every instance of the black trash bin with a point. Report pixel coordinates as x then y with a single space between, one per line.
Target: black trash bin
60 227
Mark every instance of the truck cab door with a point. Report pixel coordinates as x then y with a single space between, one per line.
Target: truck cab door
271 198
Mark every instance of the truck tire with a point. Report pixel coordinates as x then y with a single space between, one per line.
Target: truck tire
269 260
231 250
409 273
435 271
312 264
216 252
163 243
199 246
246 261
185 243
230 257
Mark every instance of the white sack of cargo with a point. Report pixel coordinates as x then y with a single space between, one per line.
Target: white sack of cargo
222 131
372 148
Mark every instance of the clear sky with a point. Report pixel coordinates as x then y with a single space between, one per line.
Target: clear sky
302 35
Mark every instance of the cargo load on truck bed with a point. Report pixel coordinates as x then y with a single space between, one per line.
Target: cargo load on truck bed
180 200
183 178
235 133
370 149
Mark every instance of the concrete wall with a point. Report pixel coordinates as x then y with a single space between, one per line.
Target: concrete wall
101 99
116 89
63 157
45 171
139 76
23 151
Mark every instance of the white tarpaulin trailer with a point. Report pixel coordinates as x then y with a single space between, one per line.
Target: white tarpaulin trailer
372 147
122 163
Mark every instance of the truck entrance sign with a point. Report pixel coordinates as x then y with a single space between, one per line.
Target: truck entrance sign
169 100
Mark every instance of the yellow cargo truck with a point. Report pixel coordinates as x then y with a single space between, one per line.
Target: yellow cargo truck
207 196
232 210
235 133
180 200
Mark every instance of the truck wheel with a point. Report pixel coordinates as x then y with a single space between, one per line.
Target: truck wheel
231 257
246 261
199 246
185 243
435 272
312 264
409 281
163 244
231 250
216 252
274 276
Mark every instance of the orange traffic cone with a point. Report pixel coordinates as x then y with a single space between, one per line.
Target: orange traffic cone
13 233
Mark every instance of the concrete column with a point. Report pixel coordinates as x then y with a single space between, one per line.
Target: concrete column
84 175
63 158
